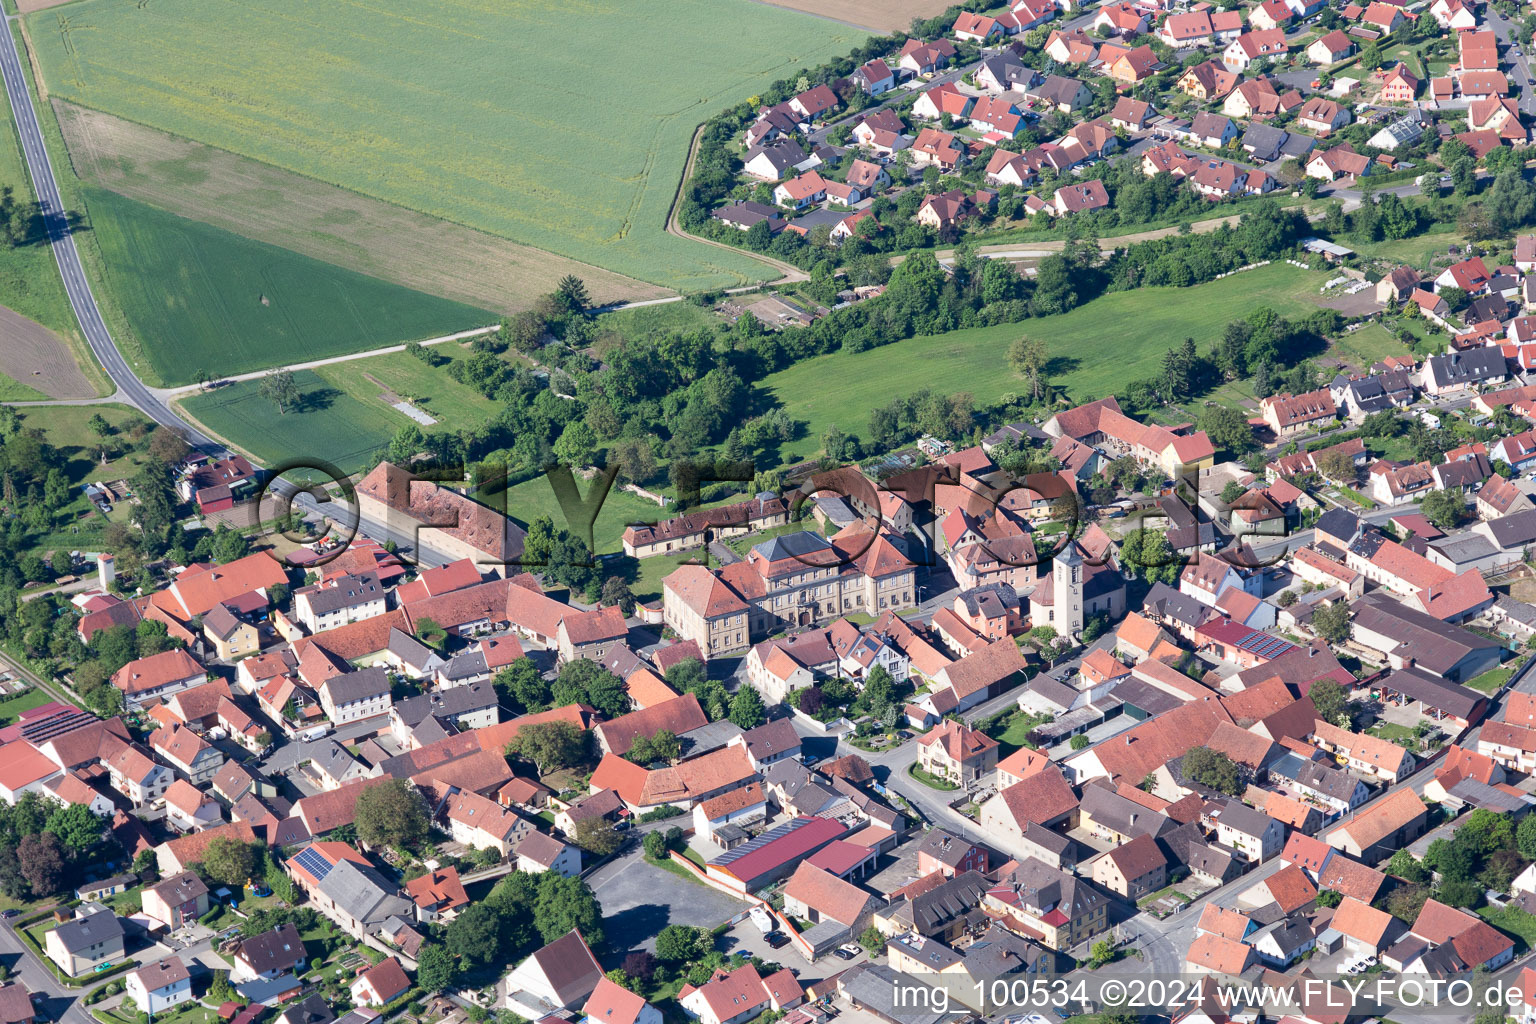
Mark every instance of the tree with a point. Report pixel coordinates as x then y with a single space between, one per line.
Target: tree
1330 699
1405 902
617 592
598 836
1405 866
655 845
1329 898
77 827
1028 359
872 941
577 444
435 968
41 861
1147 554
1525 837
640 965
1337 466
392 814
1228 428
1332 622
550 745
679 943
1232 491
747 710
663 746
1443 508
279 388
522 685
1078 742
564 904
1214 769
475 935
1101 953
572 293
229 861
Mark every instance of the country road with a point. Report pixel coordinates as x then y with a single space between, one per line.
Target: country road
60 239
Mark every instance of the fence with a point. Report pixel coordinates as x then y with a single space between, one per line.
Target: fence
785 923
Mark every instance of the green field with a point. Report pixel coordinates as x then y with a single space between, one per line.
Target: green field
12 707
329 423
29 277
1095 349
200 297
564 127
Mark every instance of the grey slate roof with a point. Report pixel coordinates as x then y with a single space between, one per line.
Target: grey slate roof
363 894
449 703
84 932
363 684
1469 367
414 654
346 592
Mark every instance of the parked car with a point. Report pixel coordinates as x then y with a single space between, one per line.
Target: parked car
842 954
776 940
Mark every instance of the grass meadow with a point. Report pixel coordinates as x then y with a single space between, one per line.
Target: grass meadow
200 297
1094 349
328 423
561 126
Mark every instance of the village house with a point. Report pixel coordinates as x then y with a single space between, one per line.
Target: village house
956 753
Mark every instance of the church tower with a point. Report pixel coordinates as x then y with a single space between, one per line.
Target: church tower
1067 591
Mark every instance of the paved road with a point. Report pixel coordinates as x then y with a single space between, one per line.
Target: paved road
129 387
57 1002
1508 35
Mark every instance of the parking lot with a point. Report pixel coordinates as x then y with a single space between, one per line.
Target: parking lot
640 899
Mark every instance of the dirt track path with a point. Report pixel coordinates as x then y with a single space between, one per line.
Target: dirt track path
791 272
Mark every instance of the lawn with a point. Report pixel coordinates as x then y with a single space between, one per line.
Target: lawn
1370 344
202 298
562 127
1394 733
1491 680
530 499
1414 251
660 319
328 423
929 779
29 277
1094 349
457 406
10 710
1512 921
66 428
1011 733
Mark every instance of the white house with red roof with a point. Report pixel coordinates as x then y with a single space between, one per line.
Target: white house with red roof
614 1004
740 995
1470 275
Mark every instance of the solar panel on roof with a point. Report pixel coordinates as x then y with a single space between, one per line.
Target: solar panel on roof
311 860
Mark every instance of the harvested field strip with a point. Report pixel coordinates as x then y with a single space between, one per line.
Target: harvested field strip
39 360
891 16
323 221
